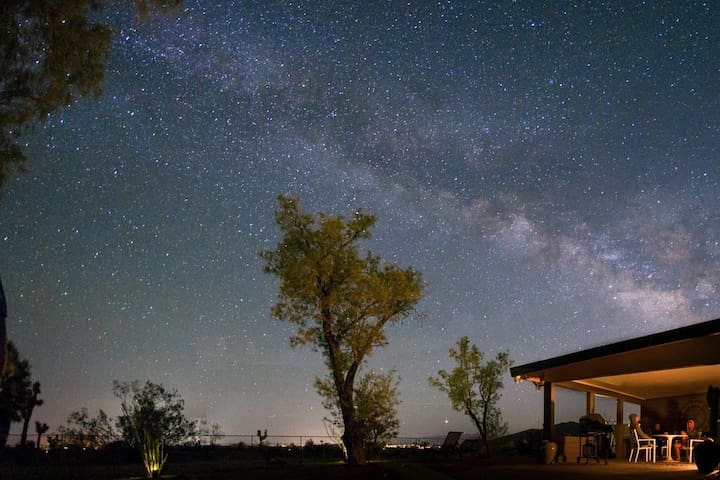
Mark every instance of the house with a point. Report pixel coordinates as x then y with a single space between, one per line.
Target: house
668 374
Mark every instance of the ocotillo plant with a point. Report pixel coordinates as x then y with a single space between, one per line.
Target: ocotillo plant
153 454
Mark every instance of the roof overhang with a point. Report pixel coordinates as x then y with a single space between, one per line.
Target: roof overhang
683 361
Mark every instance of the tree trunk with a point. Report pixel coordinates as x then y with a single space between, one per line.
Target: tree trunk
3 331
5 422
23 436
484 446
354 441
353 435
5 419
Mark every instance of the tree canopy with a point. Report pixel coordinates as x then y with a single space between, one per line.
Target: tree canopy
83 431
473 387
52 53
151 409
338 299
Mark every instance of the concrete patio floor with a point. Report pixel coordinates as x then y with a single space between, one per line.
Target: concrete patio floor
615 469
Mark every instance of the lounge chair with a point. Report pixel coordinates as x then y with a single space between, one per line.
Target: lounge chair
451 443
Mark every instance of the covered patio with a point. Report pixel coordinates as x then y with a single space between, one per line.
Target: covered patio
667 374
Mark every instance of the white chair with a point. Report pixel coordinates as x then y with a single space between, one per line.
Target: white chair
646 445
664 449
691 447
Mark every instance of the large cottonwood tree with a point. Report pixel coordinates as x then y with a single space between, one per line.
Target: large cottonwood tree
339 299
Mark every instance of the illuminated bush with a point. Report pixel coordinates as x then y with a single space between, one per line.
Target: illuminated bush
153 453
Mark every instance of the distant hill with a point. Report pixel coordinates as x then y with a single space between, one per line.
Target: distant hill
519 441
561 429
527 441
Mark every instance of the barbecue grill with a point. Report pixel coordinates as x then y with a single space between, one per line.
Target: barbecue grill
594 438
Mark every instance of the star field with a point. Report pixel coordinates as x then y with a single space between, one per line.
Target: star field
553 170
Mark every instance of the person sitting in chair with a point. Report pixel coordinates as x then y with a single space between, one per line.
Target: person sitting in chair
635 425
690 432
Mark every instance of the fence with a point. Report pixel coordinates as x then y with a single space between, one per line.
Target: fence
236 439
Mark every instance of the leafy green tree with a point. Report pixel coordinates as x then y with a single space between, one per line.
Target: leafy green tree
16 390
339 300
474 388
376 403
152 409
52 55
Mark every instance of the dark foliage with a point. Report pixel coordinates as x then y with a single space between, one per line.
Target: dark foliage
52 53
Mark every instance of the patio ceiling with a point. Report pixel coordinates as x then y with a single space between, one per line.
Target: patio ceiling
658 384
678 362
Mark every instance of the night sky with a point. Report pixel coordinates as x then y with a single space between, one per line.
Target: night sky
552 170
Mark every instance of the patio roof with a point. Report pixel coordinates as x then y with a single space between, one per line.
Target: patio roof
677 362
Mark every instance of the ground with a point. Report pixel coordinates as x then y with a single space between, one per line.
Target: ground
517 468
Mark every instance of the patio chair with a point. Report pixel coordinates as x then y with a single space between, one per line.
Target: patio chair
646 445
451 443
692 443
664 449
471 446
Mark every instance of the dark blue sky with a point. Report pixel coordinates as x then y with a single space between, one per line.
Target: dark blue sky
551 169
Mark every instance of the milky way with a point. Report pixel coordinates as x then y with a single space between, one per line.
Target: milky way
552 170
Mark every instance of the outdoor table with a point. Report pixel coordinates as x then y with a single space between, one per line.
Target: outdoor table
669 437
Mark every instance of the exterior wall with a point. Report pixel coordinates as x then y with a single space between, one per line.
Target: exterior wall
671 413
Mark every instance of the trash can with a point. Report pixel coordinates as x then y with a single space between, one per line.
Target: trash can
550 452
